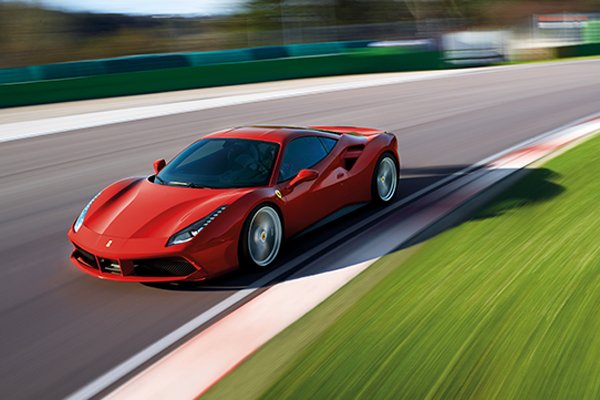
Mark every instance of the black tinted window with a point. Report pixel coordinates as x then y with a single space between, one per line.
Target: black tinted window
328 143
222 163
300 154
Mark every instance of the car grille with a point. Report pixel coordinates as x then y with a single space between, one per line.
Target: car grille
110 266
163 267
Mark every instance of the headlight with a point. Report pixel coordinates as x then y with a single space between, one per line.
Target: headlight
187 234
81 217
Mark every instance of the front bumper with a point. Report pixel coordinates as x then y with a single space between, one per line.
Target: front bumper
133 260
141 270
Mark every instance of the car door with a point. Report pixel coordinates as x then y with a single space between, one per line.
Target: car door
308 202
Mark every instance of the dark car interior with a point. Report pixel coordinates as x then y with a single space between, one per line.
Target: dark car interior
222 163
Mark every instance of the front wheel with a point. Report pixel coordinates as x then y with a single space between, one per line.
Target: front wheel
261 238
385 179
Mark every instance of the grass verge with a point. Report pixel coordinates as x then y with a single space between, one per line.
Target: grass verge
504 306
550 60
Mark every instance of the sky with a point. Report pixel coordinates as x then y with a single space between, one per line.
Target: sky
145 7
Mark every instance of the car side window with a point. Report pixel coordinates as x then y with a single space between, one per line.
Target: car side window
328 143
301 153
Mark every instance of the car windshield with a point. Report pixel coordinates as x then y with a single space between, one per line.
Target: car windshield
221 163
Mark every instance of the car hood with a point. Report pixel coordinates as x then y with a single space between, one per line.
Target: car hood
143 209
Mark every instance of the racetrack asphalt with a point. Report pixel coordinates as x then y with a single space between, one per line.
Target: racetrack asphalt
60 328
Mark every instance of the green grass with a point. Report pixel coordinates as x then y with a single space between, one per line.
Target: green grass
549 60
504 306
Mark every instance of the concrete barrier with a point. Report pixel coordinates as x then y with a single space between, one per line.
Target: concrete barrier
118 81
578 50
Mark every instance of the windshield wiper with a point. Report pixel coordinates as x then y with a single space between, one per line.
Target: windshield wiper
187 184
159 179
197 186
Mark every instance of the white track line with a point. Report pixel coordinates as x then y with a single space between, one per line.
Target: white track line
131 364
197 365
48 126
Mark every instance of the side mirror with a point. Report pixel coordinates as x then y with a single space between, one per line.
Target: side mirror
159 165
304 175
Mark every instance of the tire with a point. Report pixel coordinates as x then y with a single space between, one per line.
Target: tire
261 239
384 184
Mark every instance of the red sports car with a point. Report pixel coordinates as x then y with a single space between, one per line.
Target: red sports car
229 200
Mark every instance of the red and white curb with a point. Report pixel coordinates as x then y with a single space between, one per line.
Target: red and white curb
195 366
220 348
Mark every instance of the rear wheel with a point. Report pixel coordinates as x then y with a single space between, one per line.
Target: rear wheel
385 179
261 238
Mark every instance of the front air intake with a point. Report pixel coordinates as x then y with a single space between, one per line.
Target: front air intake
88 259
161 267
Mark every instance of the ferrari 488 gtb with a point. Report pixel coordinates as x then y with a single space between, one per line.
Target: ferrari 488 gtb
230 200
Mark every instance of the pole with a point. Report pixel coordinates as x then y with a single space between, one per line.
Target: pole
282 18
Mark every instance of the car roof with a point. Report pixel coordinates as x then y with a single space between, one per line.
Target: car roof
277 134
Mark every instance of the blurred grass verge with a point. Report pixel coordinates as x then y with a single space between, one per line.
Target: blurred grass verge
503 306
550 60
